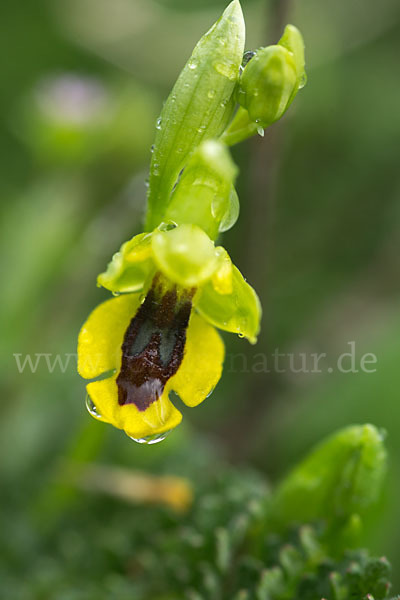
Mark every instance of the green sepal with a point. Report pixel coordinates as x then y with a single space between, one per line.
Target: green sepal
199 106
129 267
204 195
238 310
293 41
342 477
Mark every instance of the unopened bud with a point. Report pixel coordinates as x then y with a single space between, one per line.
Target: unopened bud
267 84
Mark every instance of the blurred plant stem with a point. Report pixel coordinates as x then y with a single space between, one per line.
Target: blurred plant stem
262 186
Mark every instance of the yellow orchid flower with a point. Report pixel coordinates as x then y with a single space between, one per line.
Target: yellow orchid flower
139 347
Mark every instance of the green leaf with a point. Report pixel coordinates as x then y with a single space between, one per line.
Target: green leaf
199 106
340 478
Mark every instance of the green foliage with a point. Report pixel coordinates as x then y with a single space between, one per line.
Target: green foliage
225 547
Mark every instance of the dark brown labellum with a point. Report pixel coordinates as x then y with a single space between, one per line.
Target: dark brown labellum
153 346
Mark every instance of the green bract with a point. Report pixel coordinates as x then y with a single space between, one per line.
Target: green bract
199 106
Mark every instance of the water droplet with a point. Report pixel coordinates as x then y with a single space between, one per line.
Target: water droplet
192 65
151 439
227 69
115 293
260 130
210 392
91 407
211 93
158 124
201 129
303 81
167 225
152 149
247 56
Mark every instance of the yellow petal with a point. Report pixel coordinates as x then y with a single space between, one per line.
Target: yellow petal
201 367
100 339
159 417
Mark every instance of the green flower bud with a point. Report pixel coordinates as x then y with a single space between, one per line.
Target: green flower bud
267 84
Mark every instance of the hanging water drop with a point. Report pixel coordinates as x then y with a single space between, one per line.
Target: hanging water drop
303 81
158 124
151 439
260 130
91 407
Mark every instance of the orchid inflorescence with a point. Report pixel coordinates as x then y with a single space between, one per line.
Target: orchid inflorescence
173 285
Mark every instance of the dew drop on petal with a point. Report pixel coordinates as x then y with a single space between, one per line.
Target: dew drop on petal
91 407
151 439
192 65
158 124
260 130
210 392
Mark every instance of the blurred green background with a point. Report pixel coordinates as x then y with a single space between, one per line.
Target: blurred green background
83 82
